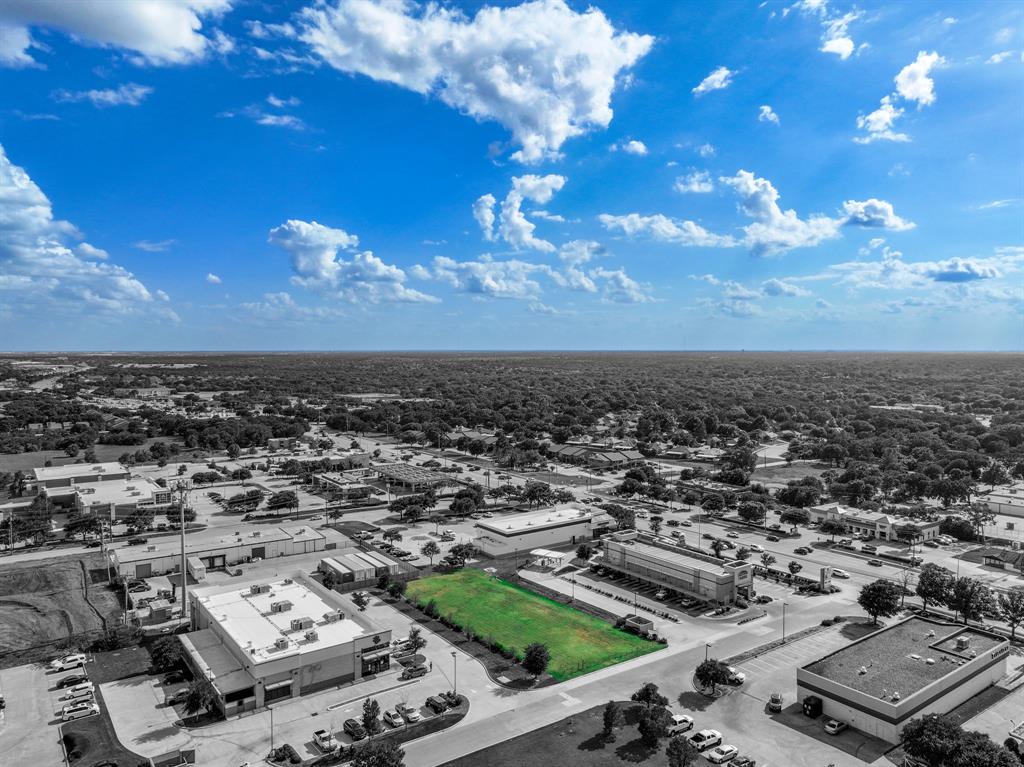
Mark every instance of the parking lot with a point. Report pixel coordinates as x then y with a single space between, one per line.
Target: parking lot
29 725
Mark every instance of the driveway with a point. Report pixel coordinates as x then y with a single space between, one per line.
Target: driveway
28 726
141 720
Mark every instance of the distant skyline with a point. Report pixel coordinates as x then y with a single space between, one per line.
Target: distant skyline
363 175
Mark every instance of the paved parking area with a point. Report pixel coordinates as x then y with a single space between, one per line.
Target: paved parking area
29 731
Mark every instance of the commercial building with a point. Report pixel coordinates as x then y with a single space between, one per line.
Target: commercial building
661 562
915 667
350 569
875 524
595 456
215 551
342 485
414 478
539 529
261 642
1007 500
60 482
121 498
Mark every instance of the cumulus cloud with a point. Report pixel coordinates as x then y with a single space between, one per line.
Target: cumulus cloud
281 307
767 115
718 79
316 265
665 229
213 279
695 182
483 212
835 35
130 94
914 83
706 150
541 69
38 269
512 224
630 147
157 32
777 287
546 215
891 272
874 213
999 58
512 278
279 103
878 125
620 288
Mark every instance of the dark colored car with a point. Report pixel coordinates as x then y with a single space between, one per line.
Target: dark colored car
875 562
772 538
73 679
743 761
436 704
450 697
353 728
137 541
93 544
802 550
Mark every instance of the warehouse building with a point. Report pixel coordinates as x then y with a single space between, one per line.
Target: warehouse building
120 498
350 569
261 642
61 482
540 529
661 562
915 667
215 551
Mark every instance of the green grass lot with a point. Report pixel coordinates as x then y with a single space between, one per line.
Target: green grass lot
515 617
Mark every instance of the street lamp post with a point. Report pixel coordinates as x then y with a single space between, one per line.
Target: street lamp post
707 646
455 674
784 621
271 710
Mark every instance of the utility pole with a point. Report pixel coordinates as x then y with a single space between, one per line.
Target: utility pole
182 490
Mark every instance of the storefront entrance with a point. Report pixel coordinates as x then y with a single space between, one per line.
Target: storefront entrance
376 662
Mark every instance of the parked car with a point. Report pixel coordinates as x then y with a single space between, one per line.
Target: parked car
772 538
68 661
744 761
437 704
775 702
83 690
73 679
932 544
413 672
661 594
834 726
705 739
93 544
775 527
393 718
176 697
763 599
407 712
708 536
875 562
722 754
354 729
680 723
78 711
325 741
687 602
676 534
402 652
736 676
450 697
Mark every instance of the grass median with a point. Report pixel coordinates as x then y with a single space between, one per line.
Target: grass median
515 617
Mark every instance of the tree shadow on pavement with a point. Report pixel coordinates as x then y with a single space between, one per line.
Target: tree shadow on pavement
694 701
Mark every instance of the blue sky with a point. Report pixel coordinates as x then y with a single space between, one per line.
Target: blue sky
362 174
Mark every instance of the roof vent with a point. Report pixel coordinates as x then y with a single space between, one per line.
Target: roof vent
930 661
281 643
280 607
299 624
311 635
259 588
962 642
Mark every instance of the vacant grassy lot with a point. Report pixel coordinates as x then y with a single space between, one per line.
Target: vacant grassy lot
515 617
51 599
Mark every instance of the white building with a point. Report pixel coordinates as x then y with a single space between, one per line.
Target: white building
216 551
60 482
1007 500
121 498
874 523
539 530
259 642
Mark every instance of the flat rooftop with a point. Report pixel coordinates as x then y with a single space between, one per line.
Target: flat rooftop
403 472
536 520
679 557
171 545
249 622
72 470
896 658
131 490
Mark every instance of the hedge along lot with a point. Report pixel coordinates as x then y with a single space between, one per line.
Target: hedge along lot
515 617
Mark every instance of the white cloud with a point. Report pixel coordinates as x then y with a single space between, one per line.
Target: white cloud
665 229
879 124
483 212
212 278
545 215
1004 35
39 272
835 36
620 288
495 279
537 307
891 272
130 94
767 115
281 307
150 246
777 287
999 58
913 81
875 213
732 307
706 150
949 21
158 31
696 182
280 103
317 266
718 79
994 204
257 114
541 69
630 147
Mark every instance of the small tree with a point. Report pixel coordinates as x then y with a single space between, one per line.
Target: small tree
392 534
832 527
536 658
655 523
416 639
166 653
970 598
384 754
934 584
360 600
430 549
649 696
396 589
795 517
716 546
371 713
879 598
743 553
610 719
711 673
199 696
653 725
1011 607
767 560
794 567
584 552
437 520
681 752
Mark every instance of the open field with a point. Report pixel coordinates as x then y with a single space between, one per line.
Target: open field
516 617
12 462
51 599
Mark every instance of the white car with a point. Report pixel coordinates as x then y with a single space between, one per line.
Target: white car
837 573
732 535
78 691
661 594
68 661
79 711
756 547
680 723
325 741
722 754
736 676
706 739
408 713
393 719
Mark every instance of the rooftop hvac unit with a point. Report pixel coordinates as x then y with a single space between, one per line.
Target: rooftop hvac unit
311 635
333 617
259 588
298 624
255 533
280 607
281 643
151 548
962 643
287 581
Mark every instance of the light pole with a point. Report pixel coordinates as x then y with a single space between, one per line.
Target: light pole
271 710
455 674
784 621
707 646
